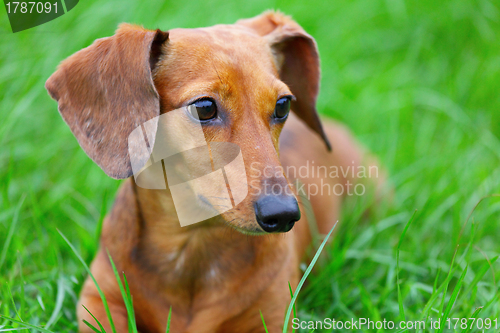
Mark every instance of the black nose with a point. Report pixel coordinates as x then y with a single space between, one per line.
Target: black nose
277 213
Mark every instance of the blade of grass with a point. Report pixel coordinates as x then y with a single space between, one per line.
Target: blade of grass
435 295
453 298
103 297
263 322
126 297
479 276
22 323
291 295
474 315
10 233
449 276
472 211
400 298
91 326
304 277
23 294
97 321
59 303
436 280
494 300
16 329
168 320
129 295
12 300
434 288
489 262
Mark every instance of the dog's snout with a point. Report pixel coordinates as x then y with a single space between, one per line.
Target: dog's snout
277 213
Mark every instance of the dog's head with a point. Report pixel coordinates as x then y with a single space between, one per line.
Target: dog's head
241 81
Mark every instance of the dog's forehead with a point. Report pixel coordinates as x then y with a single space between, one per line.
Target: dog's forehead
226 60
221 34
230 44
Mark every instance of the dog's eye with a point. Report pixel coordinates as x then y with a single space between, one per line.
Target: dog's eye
282 107
205 109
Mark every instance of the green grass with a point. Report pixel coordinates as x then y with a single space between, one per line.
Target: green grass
416 81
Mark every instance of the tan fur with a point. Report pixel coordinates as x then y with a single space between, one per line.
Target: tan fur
218 274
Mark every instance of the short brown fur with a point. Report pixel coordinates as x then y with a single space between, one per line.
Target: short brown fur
215 275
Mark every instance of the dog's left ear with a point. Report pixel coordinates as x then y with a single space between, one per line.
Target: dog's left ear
298 63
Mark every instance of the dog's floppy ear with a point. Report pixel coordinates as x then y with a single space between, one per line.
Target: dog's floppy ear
298 62
106 90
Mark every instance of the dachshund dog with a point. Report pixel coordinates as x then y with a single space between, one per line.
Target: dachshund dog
242 79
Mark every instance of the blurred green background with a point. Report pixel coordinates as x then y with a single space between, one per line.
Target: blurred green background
417 82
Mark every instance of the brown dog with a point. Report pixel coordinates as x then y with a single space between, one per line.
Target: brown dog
218 274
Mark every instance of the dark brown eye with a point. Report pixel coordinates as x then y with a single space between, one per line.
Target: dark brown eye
282 107
205 109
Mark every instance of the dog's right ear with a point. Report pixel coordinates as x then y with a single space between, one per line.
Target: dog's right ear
106 90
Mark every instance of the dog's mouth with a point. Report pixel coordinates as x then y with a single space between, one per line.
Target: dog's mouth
250 232
229 219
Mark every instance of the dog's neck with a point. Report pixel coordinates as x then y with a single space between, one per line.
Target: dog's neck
185 264
199 255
